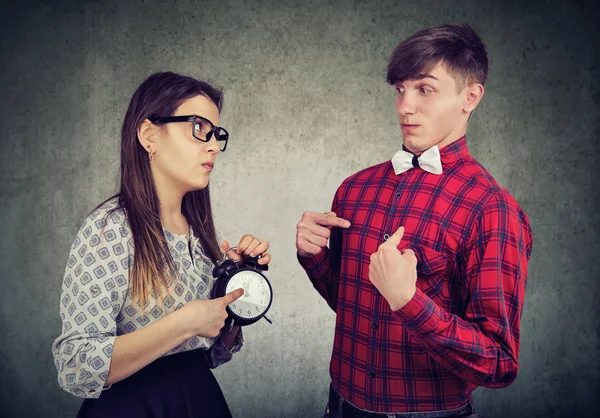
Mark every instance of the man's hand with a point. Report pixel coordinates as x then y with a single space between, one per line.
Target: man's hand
394 273
313 231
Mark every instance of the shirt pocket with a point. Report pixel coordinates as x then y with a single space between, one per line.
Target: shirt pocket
432 269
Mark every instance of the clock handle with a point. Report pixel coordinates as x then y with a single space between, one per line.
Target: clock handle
253 262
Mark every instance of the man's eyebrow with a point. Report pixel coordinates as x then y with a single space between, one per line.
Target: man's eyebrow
419 77
422 76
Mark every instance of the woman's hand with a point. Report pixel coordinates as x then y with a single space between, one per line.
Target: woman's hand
207 317
249 245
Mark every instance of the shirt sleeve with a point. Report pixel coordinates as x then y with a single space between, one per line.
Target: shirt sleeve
218 353
94 288
483 346
323 269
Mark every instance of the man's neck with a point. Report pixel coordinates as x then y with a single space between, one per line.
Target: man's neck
449 139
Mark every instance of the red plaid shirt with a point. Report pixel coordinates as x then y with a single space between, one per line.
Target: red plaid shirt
461 329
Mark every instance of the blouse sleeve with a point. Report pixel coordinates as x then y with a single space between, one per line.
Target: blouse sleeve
218 353
94 288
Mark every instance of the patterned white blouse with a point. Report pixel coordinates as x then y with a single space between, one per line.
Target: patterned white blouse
96 304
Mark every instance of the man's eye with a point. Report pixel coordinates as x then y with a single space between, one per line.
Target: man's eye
400 89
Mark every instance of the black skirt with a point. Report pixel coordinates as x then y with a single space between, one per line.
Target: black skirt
177 385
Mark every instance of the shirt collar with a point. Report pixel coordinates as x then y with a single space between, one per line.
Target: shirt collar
453 152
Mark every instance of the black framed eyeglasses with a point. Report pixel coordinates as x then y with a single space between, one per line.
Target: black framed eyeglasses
202 129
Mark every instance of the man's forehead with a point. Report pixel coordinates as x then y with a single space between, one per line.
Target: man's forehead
438 72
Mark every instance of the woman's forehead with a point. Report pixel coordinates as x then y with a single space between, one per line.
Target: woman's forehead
201 106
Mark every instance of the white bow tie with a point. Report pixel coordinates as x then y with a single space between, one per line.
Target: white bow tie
429 161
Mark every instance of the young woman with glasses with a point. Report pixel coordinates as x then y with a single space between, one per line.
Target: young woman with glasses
139 329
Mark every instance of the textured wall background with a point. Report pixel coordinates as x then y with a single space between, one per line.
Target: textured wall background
307 105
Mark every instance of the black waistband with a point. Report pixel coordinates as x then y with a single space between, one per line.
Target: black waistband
350 411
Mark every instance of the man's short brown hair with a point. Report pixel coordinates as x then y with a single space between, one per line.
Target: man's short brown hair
458 47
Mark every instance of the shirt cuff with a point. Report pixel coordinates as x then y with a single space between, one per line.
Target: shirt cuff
238 342
420 315
314 265
85 374
218 353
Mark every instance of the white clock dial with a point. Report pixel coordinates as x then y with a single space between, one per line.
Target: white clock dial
257 294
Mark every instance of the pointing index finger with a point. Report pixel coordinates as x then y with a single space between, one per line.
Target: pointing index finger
233 296
331 219
396 237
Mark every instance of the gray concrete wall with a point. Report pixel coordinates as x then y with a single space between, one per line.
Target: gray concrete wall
307 105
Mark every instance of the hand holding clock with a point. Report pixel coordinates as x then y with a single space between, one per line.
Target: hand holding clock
244 268
207 317
249 245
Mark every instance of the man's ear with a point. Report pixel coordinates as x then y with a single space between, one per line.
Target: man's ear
473 97
145 134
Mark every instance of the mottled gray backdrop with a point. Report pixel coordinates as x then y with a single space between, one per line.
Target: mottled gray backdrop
306 105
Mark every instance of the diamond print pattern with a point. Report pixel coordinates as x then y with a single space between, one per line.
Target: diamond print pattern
104 253
94 240
83 298
86 278
112 266
110 236
118 249
96 304
89 259
93 309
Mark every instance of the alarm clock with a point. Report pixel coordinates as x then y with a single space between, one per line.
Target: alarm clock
245 274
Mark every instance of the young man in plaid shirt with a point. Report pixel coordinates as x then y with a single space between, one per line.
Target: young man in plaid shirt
427 259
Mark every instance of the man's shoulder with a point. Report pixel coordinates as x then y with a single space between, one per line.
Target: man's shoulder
485 188
369 174
475 180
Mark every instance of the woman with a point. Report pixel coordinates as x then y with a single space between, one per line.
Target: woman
139 328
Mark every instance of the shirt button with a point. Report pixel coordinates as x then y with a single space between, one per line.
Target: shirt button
375 325
386 236
372 375
398 195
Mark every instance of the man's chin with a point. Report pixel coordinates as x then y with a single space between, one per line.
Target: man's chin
410 143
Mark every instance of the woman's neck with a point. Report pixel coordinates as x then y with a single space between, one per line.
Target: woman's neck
170 199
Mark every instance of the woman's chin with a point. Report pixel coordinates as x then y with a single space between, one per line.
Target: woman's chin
199 184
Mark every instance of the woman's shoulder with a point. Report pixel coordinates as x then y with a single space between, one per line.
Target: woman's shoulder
109 215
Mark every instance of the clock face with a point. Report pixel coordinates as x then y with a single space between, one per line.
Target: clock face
257 294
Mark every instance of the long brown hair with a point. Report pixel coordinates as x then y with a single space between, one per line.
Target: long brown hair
159 95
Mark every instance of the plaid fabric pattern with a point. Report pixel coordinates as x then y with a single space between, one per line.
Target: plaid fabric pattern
461 329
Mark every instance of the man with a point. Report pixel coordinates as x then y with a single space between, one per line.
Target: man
427 259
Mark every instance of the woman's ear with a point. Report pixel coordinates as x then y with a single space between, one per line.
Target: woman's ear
145 134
